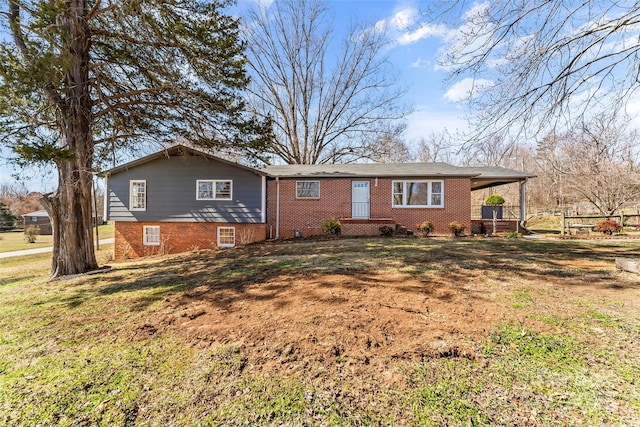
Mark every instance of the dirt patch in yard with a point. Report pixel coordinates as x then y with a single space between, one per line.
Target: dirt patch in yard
312 314
362 320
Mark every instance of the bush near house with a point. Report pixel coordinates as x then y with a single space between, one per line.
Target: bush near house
456 228
608 227
425 228
387 231
331 226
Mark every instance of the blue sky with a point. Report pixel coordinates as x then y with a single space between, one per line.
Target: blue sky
414 52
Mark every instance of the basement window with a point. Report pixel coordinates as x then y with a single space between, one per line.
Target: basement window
226 237
151 235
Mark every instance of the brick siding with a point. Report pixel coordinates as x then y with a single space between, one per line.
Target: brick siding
335 201
179 237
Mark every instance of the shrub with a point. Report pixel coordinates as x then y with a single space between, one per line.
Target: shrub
425 228
31 233
511 234
331 226
387 231
494 200
608 227
456 228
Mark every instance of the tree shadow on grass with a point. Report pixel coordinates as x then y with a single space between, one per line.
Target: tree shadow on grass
223 277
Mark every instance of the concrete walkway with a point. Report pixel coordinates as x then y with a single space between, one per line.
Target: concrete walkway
41 250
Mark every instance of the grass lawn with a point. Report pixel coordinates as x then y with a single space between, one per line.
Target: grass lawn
14 241
337 332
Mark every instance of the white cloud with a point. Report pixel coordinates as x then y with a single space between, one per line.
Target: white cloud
422 32
263 3
466 88
380 26
425 121
633 110
404 18
421 63
404 27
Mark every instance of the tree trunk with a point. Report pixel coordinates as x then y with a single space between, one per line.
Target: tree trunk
69 208
70 205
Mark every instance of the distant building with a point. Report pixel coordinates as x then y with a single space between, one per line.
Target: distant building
39 218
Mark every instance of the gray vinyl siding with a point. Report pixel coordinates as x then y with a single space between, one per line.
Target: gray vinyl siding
171 192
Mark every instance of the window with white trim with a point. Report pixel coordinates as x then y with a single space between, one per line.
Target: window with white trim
138 195
151 235
226 237
418 194
307 189
214 189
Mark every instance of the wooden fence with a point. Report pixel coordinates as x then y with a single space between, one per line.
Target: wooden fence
588 222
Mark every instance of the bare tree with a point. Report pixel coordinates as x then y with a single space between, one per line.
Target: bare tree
549 188
436 147
547 62
601 163
497 150
324 109
390 148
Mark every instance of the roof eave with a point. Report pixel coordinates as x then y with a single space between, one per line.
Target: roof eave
354 175
167 152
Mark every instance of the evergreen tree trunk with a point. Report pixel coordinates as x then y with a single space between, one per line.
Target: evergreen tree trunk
69 207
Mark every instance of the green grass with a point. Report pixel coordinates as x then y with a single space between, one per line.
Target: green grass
14 241
78 351
545 224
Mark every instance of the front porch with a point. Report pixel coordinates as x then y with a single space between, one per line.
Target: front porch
484 226
508 219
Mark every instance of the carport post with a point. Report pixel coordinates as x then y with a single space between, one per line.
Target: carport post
523 202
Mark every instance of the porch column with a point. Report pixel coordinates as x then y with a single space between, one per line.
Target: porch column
523 202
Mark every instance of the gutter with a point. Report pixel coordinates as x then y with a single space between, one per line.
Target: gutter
277 207
264 199
105 208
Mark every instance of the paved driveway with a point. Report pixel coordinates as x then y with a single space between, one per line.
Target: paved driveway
41 250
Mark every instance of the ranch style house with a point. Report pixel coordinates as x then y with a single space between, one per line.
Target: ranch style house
181 199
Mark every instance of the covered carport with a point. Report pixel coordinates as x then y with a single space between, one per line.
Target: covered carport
492 177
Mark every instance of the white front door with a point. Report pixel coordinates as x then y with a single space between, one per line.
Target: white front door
360 199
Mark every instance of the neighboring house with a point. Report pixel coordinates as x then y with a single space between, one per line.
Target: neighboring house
39 218
181 198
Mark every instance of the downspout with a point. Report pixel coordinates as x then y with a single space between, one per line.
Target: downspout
264 200
277 207
105 208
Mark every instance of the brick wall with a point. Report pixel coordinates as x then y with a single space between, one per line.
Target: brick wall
335 201
457 207
179 237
